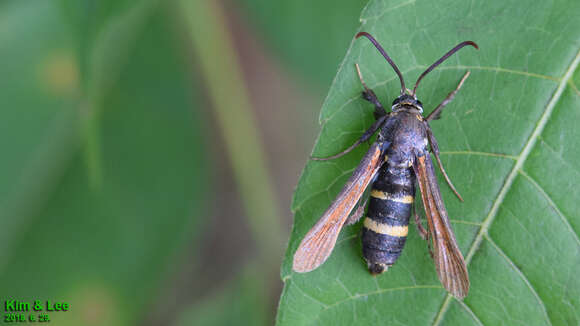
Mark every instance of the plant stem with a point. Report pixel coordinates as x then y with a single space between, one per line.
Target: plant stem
206 28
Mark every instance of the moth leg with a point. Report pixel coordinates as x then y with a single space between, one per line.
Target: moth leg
370 96
435 150
380 115
422 232
358 212
366 136
436 114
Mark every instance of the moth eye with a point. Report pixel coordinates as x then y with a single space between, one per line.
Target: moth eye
419 104
396 101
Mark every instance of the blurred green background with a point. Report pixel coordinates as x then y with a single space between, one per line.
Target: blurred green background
151 149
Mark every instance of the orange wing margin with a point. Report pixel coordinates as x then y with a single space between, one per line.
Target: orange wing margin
320 240
448 259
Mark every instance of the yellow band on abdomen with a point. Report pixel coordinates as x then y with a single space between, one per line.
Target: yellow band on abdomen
384 195
382 228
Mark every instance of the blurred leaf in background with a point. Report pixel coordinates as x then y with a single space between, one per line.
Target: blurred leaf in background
242 302
510 144
101 241
309 36
127 190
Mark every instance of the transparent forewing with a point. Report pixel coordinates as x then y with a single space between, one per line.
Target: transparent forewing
320 240
448 259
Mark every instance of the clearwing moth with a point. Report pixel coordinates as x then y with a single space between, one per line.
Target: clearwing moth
396 162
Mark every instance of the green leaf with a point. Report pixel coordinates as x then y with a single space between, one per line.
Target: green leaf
509 142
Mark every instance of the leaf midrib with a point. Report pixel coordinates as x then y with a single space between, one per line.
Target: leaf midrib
483 231
520 160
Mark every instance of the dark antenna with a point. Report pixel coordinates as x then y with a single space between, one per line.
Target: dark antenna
384 53
443 58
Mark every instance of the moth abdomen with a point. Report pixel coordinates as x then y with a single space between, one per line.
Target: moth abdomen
386 227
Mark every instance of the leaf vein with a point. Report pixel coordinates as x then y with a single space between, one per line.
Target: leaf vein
459 67
563 217
502 70
358 96
479 154
521 275
559 156
470 312
574 88
306 295
382 13
511 176
377 292
323 191
343 286
460 128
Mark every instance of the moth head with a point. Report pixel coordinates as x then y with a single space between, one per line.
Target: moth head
407 101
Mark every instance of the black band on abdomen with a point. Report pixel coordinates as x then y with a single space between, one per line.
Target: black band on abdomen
382 210
381 248
385 229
